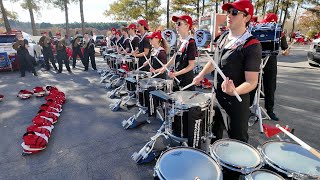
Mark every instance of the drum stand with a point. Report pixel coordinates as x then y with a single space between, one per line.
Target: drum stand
256 109
197 68
146 154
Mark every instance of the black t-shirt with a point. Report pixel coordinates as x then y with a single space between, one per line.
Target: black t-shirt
126 44
113 40
162 56
182 61
22 48
90 47
235 61
144 43
120 41
135 43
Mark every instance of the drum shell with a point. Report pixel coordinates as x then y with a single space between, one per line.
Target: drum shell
145 101
270 173
131 84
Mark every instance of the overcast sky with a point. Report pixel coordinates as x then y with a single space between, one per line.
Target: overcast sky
93 12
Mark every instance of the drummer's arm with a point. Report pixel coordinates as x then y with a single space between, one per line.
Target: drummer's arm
186 69
144 53
207 69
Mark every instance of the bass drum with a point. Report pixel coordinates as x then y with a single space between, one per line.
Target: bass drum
170 36
203 38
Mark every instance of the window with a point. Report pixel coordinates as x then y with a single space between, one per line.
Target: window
7 38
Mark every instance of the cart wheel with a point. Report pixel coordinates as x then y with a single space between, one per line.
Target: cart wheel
24 154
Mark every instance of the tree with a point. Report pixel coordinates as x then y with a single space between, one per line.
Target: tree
63 6
31 6
5 17
81 14
131 9
295 16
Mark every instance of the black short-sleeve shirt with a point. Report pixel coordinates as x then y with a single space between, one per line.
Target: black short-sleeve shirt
126 44
144 43
235 61
182 61
162 56
135 43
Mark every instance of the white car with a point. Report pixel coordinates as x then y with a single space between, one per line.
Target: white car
6 41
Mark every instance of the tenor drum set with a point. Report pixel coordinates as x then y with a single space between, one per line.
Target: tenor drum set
182 145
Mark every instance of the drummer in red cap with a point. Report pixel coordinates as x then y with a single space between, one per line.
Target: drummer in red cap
113 37
45 43
270 71
134 38
144 44
184 61
238 55
160 51
62 56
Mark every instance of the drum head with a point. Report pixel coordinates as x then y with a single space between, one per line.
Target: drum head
170 36
203 38
151 82
188 99
264 175
236 154
187 163
291 158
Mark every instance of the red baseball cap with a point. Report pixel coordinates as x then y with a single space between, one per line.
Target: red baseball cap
241 5
113 29
44 32
144 23
58 34
132 26
186 18
270 17
118 32
156 34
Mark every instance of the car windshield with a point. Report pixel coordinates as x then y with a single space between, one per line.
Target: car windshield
7 38
99 37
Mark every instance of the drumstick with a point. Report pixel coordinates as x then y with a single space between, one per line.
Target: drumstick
147 60
139 68
187 86
223 76
132 50
175 78
155 75
299 141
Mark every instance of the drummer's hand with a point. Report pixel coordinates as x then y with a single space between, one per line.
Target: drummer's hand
152 70
162 70
145 64
197 80
285 52
172 74
134 54
227 86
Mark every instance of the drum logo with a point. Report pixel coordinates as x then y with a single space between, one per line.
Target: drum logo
196 134
200 36
168 36
178 153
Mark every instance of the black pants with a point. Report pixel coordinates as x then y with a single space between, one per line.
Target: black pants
47 55
239 116
75 53
25 61
90 55
62 57
269 83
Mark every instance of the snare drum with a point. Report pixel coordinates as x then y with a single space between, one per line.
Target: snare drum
203 38
236 155
291 159
147 85
139 74
190 115
263 174
187 163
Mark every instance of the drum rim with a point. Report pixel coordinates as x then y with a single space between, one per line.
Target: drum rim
288 172
180 106
157 166
265 170
244 170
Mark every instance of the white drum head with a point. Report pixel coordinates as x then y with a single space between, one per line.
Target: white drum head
187 163
263 175
236 154
291 158
170 36
188 99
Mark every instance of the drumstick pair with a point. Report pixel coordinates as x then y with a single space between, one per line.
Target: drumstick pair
175 78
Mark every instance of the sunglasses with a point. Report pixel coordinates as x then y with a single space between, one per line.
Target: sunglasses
235 12
179 23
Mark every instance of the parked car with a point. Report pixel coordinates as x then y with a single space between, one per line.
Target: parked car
314 53
100 40
6 41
